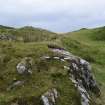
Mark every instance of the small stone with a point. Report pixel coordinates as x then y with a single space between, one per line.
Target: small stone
49 98
56 58
25 66
66 67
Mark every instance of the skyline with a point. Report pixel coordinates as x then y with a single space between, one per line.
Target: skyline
56 15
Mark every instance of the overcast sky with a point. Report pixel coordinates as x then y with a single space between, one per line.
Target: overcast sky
55 15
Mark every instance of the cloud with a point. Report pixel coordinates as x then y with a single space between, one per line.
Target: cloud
55 15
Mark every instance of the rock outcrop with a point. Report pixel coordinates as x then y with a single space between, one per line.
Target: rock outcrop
79 71
80 74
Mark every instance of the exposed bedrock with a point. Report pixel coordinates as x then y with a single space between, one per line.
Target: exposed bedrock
79 71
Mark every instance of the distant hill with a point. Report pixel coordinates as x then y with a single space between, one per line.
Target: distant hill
29 34
5 27
95 34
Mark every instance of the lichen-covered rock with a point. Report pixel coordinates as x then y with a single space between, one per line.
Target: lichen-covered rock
81 70
49 98
25 66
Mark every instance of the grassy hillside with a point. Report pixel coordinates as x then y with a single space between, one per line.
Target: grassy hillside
90 45
32 42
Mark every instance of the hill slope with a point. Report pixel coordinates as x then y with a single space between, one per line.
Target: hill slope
33 43
90 45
